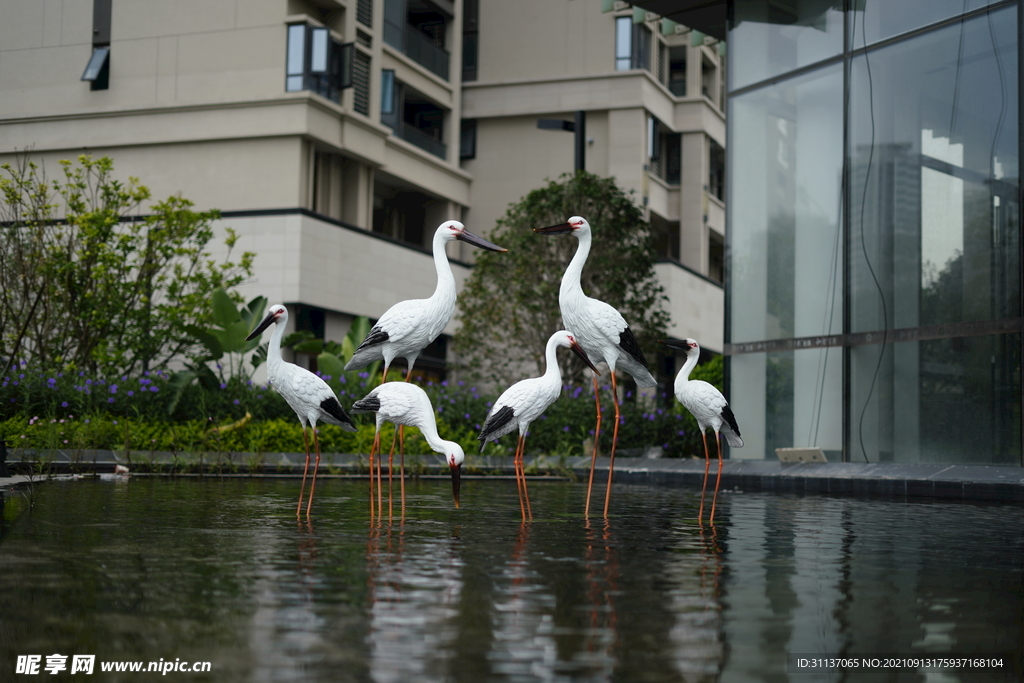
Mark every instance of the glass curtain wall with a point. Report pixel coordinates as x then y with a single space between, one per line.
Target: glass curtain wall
899 213
935 240
786 260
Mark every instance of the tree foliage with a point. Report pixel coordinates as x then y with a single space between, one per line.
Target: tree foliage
509 305
86 282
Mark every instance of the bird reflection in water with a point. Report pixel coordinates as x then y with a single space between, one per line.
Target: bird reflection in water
602 563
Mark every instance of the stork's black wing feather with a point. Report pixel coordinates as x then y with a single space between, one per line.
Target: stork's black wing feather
494 423
332 407
730 419
376 335
369 404
627 342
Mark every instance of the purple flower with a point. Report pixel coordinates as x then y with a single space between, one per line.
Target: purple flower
466 416
64 404
154 388
565 428
131 393
88 382
110 400
681 432
223 385
236 401
444 383
113 388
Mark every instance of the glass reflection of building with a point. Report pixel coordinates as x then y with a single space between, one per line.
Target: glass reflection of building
874 259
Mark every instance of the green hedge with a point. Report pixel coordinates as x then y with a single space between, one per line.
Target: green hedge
70 411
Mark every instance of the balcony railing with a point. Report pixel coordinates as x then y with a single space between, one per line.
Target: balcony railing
422 140
411 41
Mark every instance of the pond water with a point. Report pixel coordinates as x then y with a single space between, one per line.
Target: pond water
215 570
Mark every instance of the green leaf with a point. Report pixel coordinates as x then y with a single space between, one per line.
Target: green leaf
234 337
253 313
208 338
309 346
329 364
224 311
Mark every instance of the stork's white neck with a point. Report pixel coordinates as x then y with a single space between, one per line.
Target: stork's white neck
445 280
274 360
684 375
552 373
573 273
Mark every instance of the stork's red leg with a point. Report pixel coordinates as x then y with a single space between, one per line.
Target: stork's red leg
373 451
597 438
615 438
302 489
522 473
704 486
402 472
718 482
316 468
519 481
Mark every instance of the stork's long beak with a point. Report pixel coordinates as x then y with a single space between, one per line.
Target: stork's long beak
555 229
456 483
476 241
676 344
578 350
262 326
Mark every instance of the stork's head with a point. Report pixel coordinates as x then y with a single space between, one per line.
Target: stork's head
454 456
688 346
454 230
577 225
564 338
276 314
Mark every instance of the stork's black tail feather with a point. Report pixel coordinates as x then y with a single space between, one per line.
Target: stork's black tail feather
332 407
494 424
369 404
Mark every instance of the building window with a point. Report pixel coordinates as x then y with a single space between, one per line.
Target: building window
677 70
97 70
364 12
412 116
361 83
716 170
632 45
470 37
467 139
664 149
317 62
417 29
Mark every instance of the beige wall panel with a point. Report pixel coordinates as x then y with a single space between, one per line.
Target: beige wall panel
153 18
259 13
537 38
696 305
28 90
693 242
627 144
512 99
227 175
53 14
22 24
363 139
597 152
231 65
285 117
76 23
694 115
167 70
663 199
